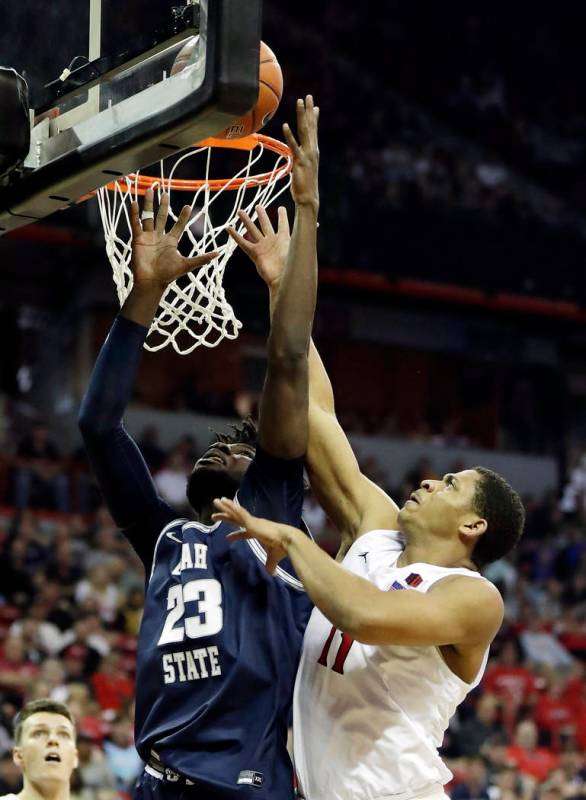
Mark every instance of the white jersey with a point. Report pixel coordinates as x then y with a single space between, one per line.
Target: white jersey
368 719
9 797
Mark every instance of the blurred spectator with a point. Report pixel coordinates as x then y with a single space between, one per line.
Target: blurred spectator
113 689
39 477
509 784
123 759
17 585
482 727
63 567
133 611
507 678
10 776
53 675
94 770
525 753
541 647
98 586
171 481
574 494
17 674
554 712
149 446
475 783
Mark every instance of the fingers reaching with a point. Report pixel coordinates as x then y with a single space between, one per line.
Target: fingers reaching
162 213
305 120
178 229
272 561
251 229
265 223
148 222
243 243
283 221
291 141
196 262
229 511
135 225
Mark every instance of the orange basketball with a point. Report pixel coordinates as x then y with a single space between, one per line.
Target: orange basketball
270 91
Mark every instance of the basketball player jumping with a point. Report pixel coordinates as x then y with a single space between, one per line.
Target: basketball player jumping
401 631
220 640
45 751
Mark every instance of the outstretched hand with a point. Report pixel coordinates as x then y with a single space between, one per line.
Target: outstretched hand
272 535
304 179
267 248
156 260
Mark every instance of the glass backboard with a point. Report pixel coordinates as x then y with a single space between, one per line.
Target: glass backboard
106 95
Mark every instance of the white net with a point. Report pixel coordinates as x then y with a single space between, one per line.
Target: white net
194 310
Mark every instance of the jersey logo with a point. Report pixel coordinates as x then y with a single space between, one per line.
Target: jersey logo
396 585
171 535
250 777
414 579
363 555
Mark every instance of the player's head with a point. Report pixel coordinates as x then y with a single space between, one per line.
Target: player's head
475 507
220 470
45 744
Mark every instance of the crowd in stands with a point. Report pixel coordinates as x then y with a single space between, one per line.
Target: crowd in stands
71 603
419 137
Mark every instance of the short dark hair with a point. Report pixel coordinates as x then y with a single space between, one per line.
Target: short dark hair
499 504
35 707
246 433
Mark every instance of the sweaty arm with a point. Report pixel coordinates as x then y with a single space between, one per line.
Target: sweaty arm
353 502
283 410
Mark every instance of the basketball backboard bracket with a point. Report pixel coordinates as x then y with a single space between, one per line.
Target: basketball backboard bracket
140 112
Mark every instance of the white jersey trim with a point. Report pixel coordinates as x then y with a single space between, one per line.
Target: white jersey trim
261 554
160 536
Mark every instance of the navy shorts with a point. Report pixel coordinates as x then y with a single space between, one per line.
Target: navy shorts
151 788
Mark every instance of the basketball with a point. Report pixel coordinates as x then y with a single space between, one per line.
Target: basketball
270 91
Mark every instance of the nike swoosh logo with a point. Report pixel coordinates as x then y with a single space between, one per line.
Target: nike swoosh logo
171 535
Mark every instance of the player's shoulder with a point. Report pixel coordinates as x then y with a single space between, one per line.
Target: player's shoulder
379 539
474 594
275 467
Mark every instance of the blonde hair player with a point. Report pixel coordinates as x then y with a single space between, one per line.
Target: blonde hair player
45 750
401 631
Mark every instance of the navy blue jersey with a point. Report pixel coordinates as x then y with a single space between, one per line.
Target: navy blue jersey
219 647
220 638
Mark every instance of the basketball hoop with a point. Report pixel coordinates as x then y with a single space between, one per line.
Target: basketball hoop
194 310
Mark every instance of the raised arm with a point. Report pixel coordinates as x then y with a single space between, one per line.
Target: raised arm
351 500
122 474
283 413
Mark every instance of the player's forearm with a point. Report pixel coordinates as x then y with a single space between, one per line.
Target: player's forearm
142 303
337 593
294 304
320 386
321 392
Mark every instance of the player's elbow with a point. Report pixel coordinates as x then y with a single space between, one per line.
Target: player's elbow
288 355
363 626
91 424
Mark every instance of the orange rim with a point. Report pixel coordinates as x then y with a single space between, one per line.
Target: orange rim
145 182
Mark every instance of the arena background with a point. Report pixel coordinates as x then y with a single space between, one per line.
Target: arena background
452 319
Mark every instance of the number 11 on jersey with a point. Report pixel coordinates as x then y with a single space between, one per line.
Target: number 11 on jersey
341 655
